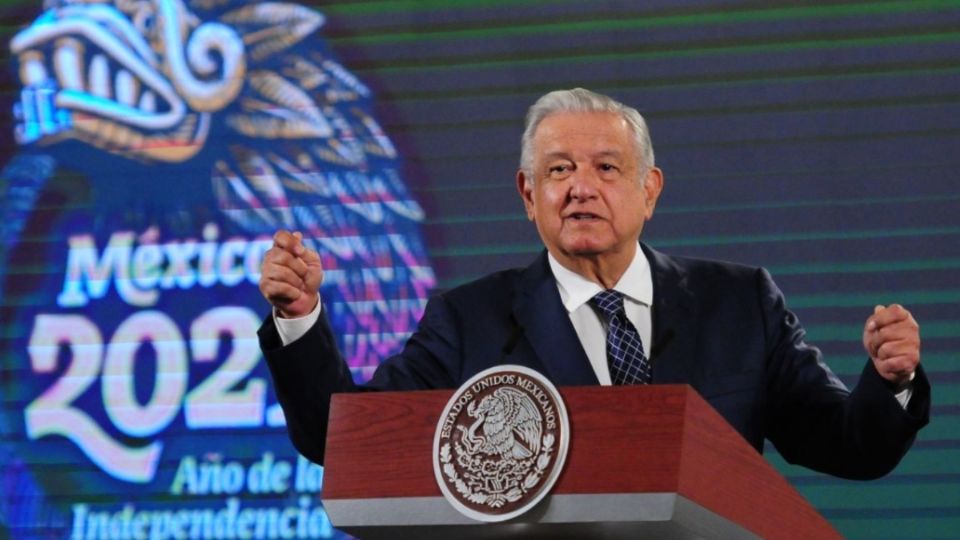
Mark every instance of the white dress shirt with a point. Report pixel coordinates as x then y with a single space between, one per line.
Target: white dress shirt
291 330
636 284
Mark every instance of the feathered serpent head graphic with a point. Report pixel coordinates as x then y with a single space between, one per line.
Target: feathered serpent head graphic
285 132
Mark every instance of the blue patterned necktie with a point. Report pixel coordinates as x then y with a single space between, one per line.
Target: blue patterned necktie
628 364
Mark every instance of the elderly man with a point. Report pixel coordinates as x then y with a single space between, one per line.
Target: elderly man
600 307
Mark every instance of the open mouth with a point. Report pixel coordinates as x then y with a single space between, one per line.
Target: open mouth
88 62
583 216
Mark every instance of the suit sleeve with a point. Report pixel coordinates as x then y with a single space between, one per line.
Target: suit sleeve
814 421
308 371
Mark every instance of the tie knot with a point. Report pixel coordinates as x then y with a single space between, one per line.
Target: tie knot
610 302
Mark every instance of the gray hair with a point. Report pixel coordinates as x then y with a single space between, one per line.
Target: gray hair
583 100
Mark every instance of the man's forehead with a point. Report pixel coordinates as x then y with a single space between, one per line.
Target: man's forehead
566 124
595 133
602 153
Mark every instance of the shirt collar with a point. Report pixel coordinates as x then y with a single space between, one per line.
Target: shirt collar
576 290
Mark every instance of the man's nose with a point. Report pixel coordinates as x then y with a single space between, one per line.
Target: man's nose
583 184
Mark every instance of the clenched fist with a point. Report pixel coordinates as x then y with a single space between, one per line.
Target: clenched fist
291 275
892 339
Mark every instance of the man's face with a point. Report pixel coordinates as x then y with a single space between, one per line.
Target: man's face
586 195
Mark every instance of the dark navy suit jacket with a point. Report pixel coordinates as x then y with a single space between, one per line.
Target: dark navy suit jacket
720 327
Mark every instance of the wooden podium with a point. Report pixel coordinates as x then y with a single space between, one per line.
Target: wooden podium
644 462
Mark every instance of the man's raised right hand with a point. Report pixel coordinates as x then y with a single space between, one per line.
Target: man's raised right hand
291 275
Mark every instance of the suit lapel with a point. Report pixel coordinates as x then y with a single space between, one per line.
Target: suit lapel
548 330
541 315
674 320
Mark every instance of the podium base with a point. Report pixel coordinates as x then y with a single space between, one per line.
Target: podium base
630 515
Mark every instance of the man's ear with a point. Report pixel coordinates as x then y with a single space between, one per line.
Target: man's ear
652 186
525 189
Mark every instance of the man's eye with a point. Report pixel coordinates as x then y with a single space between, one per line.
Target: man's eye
559 168
607 167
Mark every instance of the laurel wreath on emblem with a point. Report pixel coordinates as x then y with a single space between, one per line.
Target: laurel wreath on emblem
508 460
475 487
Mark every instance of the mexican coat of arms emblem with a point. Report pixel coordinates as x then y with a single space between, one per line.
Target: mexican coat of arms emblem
501 443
